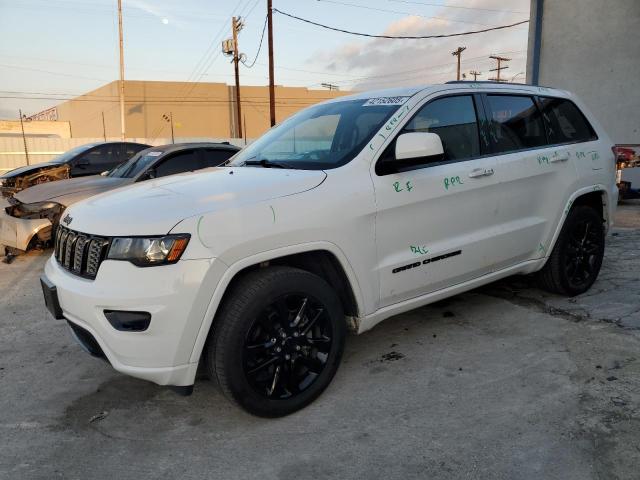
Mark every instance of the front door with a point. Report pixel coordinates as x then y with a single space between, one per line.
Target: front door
435 224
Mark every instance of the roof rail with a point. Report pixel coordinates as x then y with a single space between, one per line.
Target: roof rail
492 82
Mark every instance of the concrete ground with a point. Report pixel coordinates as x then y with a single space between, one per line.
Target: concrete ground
505 382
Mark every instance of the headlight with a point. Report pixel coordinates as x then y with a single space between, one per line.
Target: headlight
146 252
38 206
34 210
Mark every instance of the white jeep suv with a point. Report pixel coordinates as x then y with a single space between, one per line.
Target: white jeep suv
347 213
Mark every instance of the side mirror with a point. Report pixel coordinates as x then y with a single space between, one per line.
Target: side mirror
105 173
412 148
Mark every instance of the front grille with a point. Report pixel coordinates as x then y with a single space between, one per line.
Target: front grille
79 253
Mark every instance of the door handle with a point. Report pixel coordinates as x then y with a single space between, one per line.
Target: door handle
481 172
559 158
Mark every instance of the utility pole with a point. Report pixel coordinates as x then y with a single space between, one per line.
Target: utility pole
272 94
475 74
104 130
122 126
458 53
330 86
24 139
499 68
236 26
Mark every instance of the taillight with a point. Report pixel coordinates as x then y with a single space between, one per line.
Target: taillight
627 156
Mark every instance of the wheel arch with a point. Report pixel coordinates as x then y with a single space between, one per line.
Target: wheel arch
321 258
595 196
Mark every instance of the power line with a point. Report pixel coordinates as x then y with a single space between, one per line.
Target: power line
264 28
400 37
375 9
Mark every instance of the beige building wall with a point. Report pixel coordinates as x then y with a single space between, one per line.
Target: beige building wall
198 109
35 128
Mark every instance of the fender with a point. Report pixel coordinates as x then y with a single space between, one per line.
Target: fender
593 188
235 268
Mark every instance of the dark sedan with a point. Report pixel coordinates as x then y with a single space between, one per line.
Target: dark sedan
81 161
33 213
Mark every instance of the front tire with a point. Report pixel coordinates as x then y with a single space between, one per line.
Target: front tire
277 340
575 261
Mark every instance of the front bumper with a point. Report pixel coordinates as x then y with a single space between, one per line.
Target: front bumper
18 232
176 296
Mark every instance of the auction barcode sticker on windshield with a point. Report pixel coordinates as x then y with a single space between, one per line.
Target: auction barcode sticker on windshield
154 154
385 101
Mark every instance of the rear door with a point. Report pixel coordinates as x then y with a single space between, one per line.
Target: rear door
534 175
435 224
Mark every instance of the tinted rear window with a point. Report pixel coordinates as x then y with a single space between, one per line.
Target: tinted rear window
566 123
516 123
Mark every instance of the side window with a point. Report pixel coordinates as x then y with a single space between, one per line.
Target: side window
213 157
178 163
566 124
130 149
98 156
454 120
515 124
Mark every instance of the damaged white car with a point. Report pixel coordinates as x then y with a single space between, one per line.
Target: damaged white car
30 216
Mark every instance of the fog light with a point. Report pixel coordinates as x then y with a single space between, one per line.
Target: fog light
126 321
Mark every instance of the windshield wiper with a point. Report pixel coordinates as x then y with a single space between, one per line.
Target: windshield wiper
267 163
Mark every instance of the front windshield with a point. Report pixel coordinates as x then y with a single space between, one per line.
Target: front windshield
135 165
320 137
69 154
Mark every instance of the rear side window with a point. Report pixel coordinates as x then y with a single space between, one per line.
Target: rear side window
566 123
178 163
516 123
101 155
213 157
454 120
130 149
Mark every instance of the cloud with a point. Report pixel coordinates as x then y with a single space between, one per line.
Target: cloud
382 63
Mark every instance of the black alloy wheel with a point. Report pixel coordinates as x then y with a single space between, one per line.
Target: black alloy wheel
277 340
583 253
287 347
575 261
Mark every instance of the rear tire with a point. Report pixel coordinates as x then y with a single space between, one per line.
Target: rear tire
575 261
277 341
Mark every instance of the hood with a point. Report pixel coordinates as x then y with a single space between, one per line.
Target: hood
29 169
155 206
71 190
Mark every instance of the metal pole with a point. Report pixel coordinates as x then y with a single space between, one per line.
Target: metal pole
236 59
24 139
104 130
244 120
122 125
171 120
272 95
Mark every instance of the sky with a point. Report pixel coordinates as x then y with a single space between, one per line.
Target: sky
52 50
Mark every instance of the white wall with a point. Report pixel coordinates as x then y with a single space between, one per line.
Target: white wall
592 48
